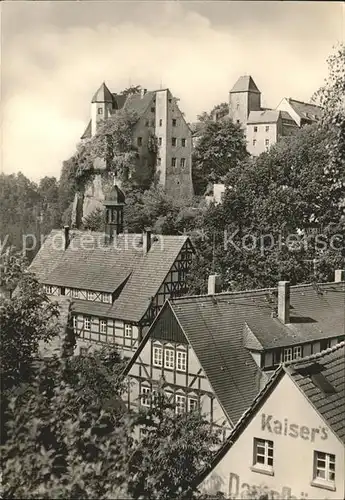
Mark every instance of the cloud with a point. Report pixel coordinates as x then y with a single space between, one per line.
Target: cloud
51 71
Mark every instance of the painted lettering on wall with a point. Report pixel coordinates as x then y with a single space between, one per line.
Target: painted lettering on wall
241 490
286 428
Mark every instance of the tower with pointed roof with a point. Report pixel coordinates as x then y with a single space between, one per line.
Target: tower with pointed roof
101 106
244 97
114 203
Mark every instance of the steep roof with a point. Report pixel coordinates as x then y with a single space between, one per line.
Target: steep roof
87 132
89 263
138 102
267 116
321 378
103 94
228 365
245 83
305 110
119 100
331 407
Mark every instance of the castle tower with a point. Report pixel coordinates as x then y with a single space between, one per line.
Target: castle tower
244 97
114 203
101 106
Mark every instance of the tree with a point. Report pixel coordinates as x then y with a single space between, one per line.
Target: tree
220 148
132 89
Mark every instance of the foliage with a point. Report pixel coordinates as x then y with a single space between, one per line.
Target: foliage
220 148
132 89
95 220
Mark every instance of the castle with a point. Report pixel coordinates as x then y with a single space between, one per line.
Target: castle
158 115
264 126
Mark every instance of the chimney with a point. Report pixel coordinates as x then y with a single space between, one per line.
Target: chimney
214 284
339 275
284 301
67 239
147 240
143 92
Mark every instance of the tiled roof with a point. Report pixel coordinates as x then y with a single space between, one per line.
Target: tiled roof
305 110
330 405
139 103
88 263
87 132
103 94
119 100
245 84
228 365
267 116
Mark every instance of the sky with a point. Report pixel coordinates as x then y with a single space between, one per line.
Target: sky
54 56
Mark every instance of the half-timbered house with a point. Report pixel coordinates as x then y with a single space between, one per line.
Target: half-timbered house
215 352
117 281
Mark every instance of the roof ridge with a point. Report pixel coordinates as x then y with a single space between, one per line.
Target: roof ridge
303 102
317 355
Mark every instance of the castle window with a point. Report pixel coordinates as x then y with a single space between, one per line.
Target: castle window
183 162
174 122
159 161
100 111
140 141
254 142
160 141
255 129
160 122
267 128
238 121
183 143
173 141
267 142
147 123
173 162
153 110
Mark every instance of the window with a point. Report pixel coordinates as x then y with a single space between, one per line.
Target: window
297 352
173 141
159 161
100 111
183 143
181 360
157 356
147 123
140 141
324 468
174 122
87 323
145 396
237 121
103 326
90 296
254 142
192 404
180 402
183 162
153 109
255 129
75 293
160 141
106 297
128 330
48 289
75 322
83 351
169 358
267 142
263 453
287 356
173 162
160 122
267 128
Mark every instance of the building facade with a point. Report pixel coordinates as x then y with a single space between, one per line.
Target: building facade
159 119
290 444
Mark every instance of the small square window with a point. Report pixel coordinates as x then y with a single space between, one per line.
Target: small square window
174 122
255 129
103 326
159 161
183 162
157 356
87 323
173 141
267 128
267 142
173 162
183 143
254 142
160 141
160 122
128 330
181 360
169 358
140 141
180 402
324 469
100 111
153 110
263 454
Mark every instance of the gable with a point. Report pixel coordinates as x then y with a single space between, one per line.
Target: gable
167 328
